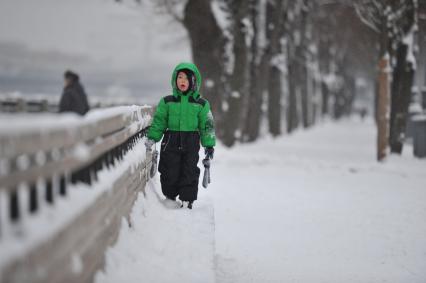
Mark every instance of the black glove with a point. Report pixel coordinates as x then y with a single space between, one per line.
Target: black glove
209 151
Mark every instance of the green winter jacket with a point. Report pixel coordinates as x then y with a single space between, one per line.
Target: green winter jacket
184 112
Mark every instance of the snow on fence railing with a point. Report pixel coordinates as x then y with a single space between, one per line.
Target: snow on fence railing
73 168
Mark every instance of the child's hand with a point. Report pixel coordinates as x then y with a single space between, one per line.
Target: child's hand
148 144
209 151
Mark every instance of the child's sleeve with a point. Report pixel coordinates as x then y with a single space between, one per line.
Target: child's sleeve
159 123
206 126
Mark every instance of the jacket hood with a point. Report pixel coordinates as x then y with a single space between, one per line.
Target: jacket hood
194 69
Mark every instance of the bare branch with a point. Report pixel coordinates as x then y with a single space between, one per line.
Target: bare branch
170 7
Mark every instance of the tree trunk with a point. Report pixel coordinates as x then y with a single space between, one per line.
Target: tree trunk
382 109
298 103
258 75
339 104
207 51
325 95
239 79
301 55
346 94
274 101
350 94
292 113
403 76
274 33
383 94
304 93
316 94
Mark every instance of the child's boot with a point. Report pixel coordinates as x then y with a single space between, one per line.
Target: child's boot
189 204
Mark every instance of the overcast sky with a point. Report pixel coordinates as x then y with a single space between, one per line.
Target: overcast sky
110 44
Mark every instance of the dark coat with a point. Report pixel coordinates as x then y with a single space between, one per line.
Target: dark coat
74 99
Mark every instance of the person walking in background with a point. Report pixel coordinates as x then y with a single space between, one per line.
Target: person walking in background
185 120
74 98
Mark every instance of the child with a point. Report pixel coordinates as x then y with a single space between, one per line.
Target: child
184 118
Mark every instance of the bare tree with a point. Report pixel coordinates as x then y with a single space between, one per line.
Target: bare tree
275 28
298 47
207 45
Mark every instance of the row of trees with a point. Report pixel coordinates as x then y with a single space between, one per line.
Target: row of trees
292 61
286 59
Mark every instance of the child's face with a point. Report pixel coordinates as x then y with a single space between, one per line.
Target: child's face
182 81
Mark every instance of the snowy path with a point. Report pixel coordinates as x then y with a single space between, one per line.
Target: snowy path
311 207
163 244
317 207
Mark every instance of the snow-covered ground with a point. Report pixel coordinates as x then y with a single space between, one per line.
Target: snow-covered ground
314 206
164 244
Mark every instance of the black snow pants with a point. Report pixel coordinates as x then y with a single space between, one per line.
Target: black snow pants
178 165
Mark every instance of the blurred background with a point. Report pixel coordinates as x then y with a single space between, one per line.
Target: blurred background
118 49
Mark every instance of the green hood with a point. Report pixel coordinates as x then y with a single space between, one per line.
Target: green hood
195 70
